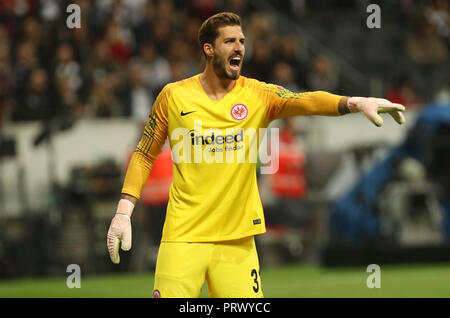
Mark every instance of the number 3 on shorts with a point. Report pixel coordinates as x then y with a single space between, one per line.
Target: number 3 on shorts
256 285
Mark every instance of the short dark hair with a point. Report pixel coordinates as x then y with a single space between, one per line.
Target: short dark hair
209 31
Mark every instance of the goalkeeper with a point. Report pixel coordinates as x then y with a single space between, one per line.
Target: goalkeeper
214 208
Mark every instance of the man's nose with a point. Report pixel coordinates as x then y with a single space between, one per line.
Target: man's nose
239 48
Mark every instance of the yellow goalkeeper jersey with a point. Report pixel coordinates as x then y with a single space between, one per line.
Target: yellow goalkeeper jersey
214 194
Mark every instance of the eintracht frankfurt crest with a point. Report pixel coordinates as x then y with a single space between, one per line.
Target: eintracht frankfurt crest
239 111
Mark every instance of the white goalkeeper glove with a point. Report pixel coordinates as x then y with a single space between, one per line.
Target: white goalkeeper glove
371 107
119 233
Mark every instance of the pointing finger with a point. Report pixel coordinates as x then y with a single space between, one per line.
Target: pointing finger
398 117
384 108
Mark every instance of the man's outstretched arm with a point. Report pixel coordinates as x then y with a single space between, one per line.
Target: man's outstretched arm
284 103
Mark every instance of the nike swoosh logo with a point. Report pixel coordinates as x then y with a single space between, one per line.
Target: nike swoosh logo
184 114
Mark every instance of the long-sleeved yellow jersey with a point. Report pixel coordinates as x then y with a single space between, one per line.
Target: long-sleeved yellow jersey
214 194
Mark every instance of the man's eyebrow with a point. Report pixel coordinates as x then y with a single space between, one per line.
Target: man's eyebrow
233 38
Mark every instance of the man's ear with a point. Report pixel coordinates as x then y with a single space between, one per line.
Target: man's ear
208 49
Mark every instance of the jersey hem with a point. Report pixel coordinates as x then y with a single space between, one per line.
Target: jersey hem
214 239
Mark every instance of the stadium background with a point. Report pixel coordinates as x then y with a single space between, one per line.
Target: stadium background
73 102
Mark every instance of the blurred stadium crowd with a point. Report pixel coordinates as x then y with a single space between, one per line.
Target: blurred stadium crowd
126 51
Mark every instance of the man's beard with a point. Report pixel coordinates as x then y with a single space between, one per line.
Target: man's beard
220 69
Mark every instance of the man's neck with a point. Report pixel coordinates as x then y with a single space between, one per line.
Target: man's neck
215 87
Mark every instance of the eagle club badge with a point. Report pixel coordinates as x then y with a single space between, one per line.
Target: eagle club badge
156 294
239 111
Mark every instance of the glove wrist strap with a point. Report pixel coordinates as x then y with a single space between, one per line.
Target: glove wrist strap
125 216
352 104
125 207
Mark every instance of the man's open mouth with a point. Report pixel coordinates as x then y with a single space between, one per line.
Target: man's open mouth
235 63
